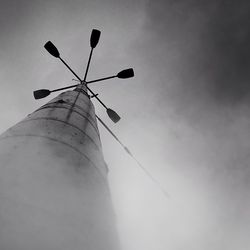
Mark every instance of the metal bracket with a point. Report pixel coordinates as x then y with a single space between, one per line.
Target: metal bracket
95 95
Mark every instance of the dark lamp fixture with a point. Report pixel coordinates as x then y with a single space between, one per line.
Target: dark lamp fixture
41 93
94 39
113 115
126 73
51 48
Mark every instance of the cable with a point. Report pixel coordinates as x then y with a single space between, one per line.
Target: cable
156 182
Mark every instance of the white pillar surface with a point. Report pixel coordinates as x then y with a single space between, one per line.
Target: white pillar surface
53 180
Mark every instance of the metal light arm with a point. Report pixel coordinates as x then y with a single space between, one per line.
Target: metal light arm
75 85
101 79
82 82
71 86
70 69
87 69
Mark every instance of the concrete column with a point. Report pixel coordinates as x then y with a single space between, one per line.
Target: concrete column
53 180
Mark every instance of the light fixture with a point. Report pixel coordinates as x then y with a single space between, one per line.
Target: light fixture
41 93
51 48
126 73
94 39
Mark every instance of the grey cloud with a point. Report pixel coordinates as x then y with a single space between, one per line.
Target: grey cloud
205 47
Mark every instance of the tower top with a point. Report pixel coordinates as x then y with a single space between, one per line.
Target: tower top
82 86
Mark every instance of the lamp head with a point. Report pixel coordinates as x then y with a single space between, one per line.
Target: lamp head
113 115
94 38
51 48
41 93
126 73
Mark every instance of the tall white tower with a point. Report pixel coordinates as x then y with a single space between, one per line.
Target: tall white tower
53 180
54 193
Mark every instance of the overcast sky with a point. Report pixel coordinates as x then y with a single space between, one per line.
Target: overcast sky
185 115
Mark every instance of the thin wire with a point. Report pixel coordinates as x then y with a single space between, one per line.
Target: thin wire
166 194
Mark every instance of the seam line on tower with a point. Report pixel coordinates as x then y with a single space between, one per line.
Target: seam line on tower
62 142
88 117
65 103
54 119
53 105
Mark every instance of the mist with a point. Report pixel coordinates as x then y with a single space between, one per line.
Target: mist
185 115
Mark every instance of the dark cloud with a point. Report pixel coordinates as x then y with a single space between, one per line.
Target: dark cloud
198 53
229 36
206 47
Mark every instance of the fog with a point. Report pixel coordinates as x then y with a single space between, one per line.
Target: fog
185 115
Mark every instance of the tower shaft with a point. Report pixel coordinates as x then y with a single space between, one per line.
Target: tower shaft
53 180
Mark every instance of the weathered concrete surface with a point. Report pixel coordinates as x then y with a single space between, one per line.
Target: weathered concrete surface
53 187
